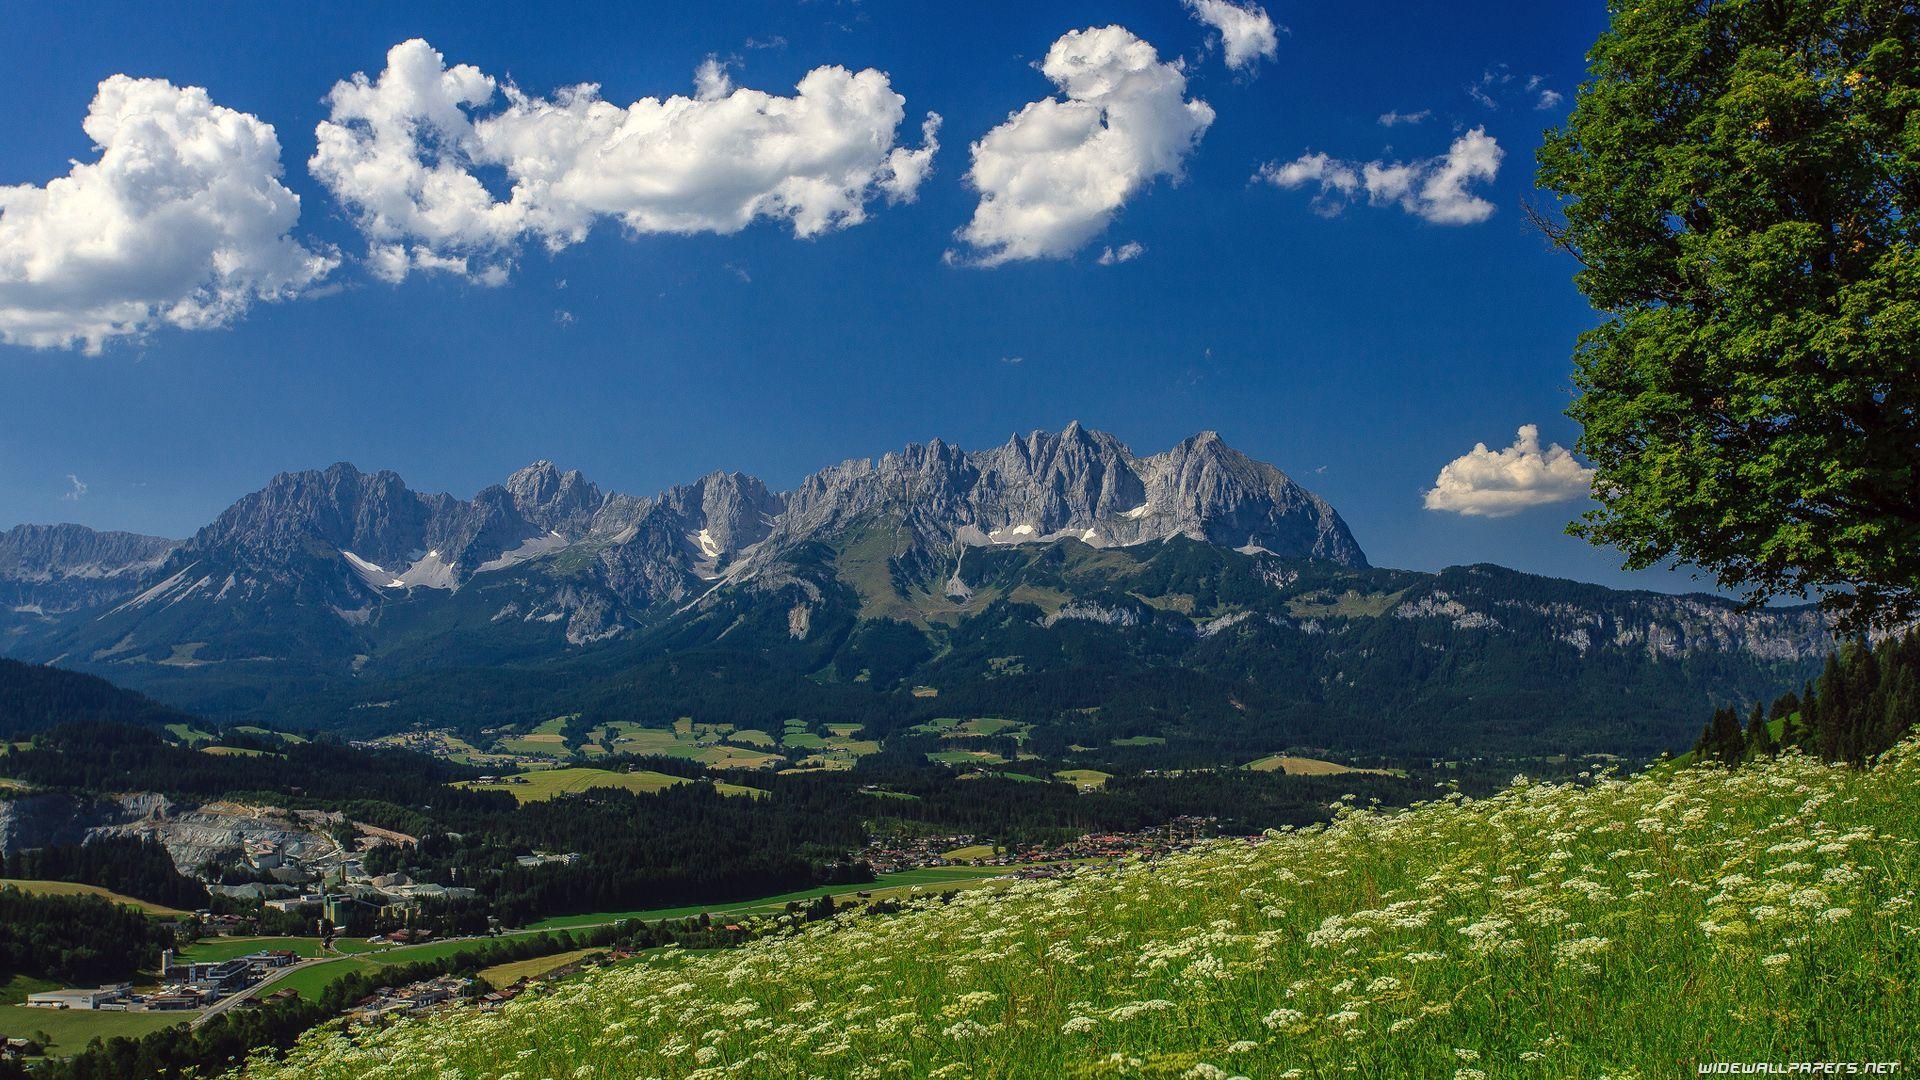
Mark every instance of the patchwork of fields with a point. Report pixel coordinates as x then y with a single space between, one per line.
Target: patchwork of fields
557 756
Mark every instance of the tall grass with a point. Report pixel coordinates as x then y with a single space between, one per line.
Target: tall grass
1611 928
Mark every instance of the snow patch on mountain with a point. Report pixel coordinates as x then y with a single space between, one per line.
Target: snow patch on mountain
526 551
372 573
433 571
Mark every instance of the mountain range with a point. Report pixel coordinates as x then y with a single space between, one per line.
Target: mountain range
1196 591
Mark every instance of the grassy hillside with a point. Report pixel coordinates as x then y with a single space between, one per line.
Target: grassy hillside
69 888
1626 928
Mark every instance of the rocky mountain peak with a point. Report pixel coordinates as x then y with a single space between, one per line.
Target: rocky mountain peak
375 515
340 540
1220 495
733 509
550 498
1078 482
39 552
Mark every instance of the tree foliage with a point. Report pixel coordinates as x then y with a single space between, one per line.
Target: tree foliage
75 939
135 866
1739 180
1865 701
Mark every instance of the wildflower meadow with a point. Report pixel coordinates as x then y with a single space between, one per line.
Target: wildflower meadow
1608 927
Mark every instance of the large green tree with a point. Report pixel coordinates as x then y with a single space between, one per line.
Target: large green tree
1739 181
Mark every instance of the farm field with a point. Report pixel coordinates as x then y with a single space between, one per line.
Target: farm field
268 733
503 975
906 880
1306 766
544 784
1637 925
71 1030
214 950
966 757
1084 779
546 740
954 727
712 745
362 956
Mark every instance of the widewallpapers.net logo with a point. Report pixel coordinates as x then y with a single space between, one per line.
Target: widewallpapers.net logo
1799 1068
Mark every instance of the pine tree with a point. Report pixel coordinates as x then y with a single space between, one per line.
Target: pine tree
1899 715
1722 740
1809 719
1865 700
1760 741
1830 727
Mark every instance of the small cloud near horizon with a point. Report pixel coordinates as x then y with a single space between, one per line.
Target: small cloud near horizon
1502 483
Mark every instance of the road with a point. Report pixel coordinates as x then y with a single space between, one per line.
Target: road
765 904
231 1000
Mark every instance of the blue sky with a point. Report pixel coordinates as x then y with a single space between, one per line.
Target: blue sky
1361 349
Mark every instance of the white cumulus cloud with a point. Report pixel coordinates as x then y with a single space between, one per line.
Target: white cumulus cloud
1054 174
1126 252
1247 33
181 221
406 153
1501 483
1434 189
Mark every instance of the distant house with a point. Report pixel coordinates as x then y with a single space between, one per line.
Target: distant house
218 979
85 1000
269 959
174 999
424 996
265 855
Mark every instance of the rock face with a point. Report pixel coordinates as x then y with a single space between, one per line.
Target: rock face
415 538
332 569
341 542
1652 624
46 552
194 835
49 820
1082 484
191 834
50 570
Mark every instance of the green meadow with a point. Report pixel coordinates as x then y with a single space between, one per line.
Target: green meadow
1605 927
